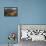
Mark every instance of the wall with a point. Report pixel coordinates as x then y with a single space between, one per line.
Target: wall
34 12
29 12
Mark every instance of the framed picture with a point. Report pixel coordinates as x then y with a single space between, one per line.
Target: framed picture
10 11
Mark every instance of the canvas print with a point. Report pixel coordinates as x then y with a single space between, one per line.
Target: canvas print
10 11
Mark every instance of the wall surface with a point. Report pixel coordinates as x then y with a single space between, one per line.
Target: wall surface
29 12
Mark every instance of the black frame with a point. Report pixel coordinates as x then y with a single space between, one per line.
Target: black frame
11 7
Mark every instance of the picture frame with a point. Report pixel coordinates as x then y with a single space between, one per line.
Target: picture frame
11 11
